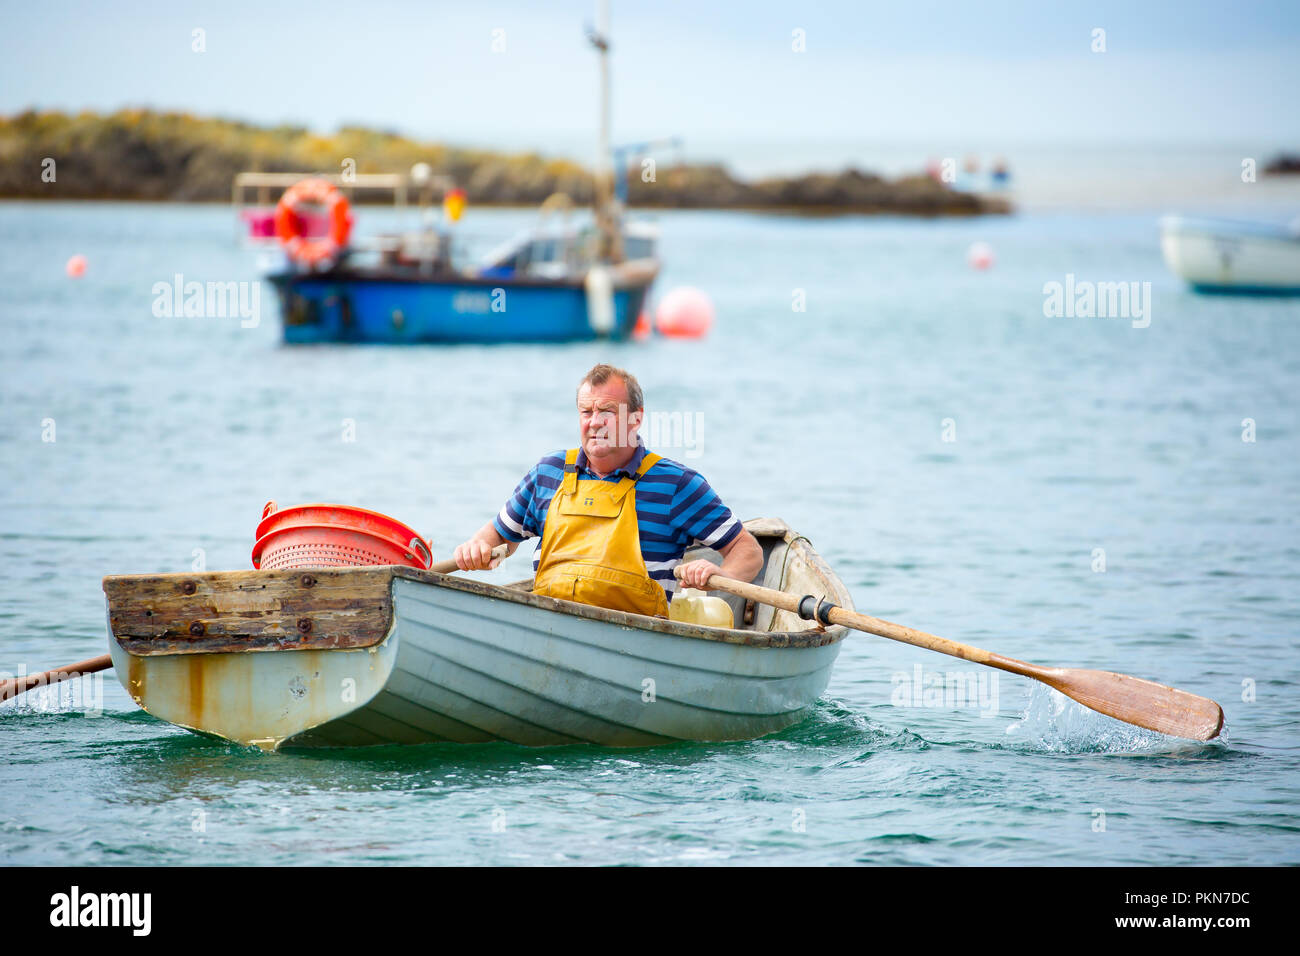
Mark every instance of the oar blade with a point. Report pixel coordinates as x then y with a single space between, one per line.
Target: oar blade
1143 703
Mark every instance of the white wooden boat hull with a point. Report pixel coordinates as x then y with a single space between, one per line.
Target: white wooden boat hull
444 658
257 699
1232 257
471 669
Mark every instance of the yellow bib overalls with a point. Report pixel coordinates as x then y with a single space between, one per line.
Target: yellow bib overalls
591 546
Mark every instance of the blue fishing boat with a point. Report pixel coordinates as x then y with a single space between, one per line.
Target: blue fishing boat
557 282
523 297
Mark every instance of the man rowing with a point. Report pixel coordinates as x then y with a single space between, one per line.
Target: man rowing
615 518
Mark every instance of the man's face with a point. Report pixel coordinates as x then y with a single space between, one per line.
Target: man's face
599 420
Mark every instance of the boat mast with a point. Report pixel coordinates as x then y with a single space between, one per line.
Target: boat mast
606 210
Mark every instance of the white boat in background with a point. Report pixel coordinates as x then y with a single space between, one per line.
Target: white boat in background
1216 255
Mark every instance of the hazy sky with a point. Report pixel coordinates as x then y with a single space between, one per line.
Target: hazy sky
721 75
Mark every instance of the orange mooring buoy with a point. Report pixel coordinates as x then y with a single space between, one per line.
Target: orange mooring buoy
685 313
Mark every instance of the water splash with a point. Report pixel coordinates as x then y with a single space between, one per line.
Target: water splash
81 695
1054 723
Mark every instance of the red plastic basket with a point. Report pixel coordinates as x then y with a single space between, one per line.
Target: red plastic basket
334 536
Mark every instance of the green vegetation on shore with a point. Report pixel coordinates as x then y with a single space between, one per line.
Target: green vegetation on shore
143 154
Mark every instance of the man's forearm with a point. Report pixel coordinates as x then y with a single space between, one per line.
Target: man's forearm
490 536
476 553
742 561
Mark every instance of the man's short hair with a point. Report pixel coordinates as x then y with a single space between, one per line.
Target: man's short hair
600 374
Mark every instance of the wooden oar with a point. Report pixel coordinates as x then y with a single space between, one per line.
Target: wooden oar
18 685
1133 700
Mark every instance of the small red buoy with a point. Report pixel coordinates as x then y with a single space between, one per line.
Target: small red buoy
76 266
684 313
641 331
980 255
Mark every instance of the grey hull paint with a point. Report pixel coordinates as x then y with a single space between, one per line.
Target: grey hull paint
471 669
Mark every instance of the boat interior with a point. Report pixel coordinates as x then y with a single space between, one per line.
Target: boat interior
790 564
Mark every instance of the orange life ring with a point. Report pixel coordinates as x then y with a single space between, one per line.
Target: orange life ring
288 222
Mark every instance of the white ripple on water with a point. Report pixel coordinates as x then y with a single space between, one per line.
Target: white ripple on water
83 695
1054 723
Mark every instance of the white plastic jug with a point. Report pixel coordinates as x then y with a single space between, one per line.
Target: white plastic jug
691 606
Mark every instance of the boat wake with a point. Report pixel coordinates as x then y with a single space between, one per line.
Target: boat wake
1052 722
835 723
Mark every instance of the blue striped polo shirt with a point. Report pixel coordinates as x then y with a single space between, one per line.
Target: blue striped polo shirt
675 508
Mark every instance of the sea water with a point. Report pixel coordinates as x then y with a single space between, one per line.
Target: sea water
1076 490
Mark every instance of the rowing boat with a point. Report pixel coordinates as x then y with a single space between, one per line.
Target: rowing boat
345 657
1233 257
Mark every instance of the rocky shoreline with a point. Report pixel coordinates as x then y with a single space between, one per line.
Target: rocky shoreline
148 155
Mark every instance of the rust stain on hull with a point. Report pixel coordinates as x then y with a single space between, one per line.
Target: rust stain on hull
135 675
255 699
197 665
